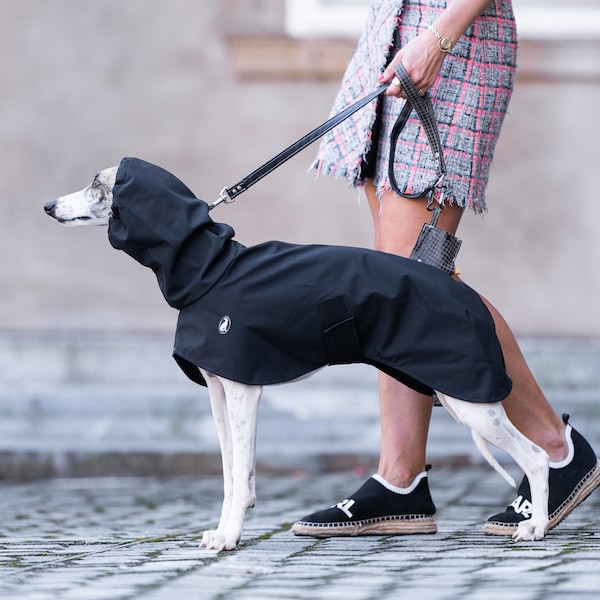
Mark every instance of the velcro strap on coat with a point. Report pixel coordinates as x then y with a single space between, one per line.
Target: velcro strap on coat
339 332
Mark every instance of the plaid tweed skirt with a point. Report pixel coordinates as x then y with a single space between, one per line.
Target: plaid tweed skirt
470 99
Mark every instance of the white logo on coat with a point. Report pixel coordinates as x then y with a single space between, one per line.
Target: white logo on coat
224 325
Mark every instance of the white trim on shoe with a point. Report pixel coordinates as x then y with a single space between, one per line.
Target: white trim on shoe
398 490
570 454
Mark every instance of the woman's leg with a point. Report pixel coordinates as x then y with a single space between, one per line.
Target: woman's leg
397 223
396 501
574 468
405 414
526 405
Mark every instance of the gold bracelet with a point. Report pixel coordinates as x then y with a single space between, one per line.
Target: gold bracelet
444 43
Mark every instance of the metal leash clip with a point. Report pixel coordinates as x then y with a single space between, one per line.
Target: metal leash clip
224 197
441 195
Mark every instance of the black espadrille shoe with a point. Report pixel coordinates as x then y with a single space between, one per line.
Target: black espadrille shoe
375 509
570 483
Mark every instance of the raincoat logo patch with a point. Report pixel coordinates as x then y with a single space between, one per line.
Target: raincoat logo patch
224 325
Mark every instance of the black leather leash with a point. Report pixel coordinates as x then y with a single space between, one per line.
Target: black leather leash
423 108
229 194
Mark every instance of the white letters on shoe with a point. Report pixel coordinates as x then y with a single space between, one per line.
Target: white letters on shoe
345 506
522 507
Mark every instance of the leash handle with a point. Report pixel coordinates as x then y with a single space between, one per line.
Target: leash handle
229 194
424 109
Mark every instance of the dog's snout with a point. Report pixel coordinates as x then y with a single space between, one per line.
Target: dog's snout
49 207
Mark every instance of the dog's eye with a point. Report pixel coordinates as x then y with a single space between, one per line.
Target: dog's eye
96 183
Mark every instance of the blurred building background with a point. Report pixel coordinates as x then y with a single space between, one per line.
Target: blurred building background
210 90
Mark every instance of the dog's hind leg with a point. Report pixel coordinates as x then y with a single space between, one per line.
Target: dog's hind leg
489 422
480 443
236 411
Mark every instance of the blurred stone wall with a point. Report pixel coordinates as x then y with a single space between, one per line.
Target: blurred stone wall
86 83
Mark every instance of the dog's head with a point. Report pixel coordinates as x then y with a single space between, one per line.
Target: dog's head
158 221
90 206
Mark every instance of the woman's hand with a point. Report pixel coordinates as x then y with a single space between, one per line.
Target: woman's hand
421 58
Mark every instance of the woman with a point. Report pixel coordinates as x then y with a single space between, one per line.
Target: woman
463 53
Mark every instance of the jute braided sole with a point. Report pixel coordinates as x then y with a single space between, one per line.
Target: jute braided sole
586 486
380 526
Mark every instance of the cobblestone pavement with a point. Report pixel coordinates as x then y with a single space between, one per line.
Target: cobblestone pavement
126 538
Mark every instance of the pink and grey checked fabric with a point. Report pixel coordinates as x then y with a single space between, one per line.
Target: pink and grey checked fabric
470 100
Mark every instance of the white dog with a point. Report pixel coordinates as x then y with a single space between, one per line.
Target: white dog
234 403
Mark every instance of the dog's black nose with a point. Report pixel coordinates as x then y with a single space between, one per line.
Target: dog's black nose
49 207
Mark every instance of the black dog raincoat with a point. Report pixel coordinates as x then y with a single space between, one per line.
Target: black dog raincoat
273 312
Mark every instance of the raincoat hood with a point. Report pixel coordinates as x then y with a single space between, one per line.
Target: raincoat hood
159 222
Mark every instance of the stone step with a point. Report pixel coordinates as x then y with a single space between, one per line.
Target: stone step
74 403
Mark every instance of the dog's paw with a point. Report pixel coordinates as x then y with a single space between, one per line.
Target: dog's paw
207 537
213 539
530 531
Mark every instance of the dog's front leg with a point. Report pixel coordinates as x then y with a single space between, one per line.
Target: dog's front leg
240 416
491 423
221 418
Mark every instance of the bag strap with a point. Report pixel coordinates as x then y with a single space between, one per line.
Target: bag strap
424 109
229 194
